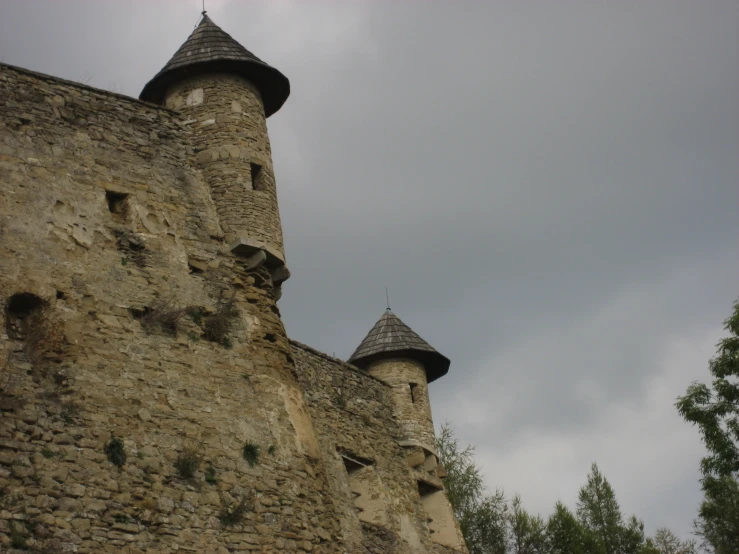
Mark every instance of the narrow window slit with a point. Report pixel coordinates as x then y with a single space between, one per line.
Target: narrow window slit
414 392
257 177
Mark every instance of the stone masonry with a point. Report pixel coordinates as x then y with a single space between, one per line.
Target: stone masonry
231 147
150 400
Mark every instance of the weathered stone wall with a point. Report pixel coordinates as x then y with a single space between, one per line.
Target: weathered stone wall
411 398
113 243
225 116
354 417
127 326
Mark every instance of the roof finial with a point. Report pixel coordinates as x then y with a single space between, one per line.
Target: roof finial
387 297
204 12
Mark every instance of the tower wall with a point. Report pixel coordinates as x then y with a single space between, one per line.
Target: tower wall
407 378
225 116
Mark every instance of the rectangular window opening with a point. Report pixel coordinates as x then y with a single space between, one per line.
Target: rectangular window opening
414 392
257 177
117 203
352 462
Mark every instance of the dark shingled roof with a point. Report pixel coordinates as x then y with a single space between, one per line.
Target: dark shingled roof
210 49
390 337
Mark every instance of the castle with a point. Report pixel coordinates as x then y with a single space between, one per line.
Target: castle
150 399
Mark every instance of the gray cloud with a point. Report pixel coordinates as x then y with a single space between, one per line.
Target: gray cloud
548 189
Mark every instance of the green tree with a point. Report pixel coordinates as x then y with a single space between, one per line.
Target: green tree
565 535
715 410
482 517
632 536
718 516
599 514
527 532
666 542
649 547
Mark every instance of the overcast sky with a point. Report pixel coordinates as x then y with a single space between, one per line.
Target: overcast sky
550 190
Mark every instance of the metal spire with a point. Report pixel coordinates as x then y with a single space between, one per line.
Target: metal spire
387 297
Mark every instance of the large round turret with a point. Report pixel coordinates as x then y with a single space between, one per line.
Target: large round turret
225 94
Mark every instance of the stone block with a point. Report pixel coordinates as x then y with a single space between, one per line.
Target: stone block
416 459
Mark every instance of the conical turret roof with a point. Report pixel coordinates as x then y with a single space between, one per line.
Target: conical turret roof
390 337
210 49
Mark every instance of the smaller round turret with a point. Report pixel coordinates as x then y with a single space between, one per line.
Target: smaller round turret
396 355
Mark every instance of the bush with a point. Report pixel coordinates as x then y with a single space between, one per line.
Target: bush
187 463
250 453
163 315
218 326
116 451
235 513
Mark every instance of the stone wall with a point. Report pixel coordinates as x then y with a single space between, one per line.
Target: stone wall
150 401
225 116
354 414
114 284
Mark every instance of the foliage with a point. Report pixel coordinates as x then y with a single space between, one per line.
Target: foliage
527 532
116 451
599 513
565 535
718 516
217 326
715 411
210 475
632 538
195 313
666 542
163 315
187 463
234 514
482 517
250 453
490 525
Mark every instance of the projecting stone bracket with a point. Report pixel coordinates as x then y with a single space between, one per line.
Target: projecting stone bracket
255 260
245 247
257 255
409 442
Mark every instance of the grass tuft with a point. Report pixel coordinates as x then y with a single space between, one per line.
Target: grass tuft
250 453
210 475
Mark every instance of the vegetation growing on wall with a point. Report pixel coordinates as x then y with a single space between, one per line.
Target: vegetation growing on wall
217 327
236 512
116 451
250 453
187 463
